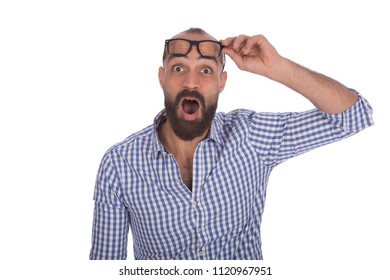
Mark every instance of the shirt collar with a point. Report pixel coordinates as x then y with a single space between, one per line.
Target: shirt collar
214 133
157 146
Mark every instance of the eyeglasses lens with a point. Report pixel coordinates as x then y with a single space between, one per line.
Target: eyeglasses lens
179 47
207 49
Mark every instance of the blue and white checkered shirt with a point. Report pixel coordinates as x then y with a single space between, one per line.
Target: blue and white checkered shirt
139 184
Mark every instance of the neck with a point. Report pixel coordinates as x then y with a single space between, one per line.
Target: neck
173 144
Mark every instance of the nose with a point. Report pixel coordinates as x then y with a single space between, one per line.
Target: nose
191 80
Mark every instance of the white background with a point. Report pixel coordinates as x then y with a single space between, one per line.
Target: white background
78 76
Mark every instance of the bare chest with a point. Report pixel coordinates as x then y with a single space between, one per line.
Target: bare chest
185 167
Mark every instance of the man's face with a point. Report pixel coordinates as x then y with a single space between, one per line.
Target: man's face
191 86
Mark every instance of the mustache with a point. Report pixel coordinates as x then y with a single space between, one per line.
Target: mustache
192 94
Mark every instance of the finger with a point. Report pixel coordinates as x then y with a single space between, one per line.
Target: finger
252 43
235 43
236 57
228 41
239 43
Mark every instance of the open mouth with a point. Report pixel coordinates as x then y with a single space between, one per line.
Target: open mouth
190 106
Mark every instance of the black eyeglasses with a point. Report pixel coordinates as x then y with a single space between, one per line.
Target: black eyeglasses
181 47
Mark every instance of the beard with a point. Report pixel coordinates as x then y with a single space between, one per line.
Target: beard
189 130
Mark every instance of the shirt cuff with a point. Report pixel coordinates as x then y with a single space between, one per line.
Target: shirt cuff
356 118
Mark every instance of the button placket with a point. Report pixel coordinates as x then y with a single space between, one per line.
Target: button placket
200 231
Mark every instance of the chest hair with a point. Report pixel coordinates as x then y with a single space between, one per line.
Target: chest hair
186 172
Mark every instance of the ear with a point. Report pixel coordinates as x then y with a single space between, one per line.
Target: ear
161 73
222 81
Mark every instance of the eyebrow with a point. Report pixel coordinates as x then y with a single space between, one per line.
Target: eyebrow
185 56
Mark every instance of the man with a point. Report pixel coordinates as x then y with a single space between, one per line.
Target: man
193 185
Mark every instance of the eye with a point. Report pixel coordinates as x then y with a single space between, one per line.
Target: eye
206 70
177 68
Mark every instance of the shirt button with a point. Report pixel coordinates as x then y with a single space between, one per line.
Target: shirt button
199 230
194 202
201 253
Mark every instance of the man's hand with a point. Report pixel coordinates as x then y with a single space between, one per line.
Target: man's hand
254 54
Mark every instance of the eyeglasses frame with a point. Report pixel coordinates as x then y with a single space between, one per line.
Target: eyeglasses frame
196 43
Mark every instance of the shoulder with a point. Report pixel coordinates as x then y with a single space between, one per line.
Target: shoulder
234 116
136 140
246 117
233 124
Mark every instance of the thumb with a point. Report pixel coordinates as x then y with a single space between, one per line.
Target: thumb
234 56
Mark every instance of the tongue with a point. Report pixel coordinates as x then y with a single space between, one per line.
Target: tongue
190 106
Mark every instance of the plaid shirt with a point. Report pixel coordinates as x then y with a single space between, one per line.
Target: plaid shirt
139 184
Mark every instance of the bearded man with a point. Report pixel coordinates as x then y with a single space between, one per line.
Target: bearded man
193 184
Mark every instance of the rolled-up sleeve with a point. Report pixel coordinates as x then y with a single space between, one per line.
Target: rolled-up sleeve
280 136
110 220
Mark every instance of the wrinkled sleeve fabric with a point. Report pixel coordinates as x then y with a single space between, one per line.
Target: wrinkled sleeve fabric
280 136
110 220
